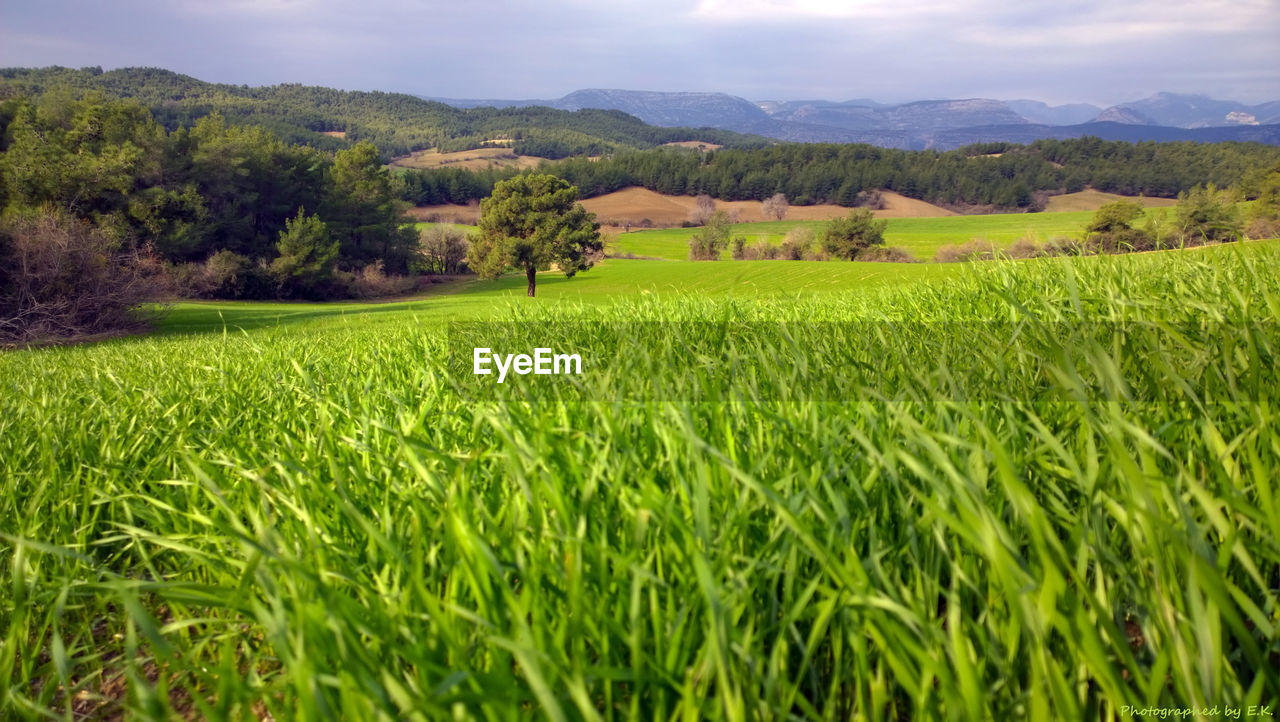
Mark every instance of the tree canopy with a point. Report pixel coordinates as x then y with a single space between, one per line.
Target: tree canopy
531 222
847 237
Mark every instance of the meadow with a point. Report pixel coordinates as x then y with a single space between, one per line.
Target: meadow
1041 489
922 237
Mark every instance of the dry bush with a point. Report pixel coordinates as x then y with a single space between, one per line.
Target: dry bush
775 206
1025 248
797 244
1261 227
373 282
441 250
761 250
887 254
62 278
225 274
977 249
872 199
704 206
1064 246
816 253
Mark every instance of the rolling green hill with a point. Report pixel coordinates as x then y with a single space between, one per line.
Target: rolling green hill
396 122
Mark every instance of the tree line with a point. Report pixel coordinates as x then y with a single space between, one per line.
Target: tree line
996 176
88 183
396 123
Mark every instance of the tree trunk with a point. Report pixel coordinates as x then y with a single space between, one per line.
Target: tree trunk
531 273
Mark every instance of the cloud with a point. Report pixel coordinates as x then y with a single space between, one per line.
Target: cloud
1070 50
808 10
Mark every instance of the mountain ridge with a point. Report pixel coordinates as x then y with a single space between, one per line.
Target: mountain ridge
922 123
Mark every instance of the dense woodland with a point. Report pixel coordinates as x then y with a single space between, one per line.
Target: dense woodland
396 123
96 193
996 175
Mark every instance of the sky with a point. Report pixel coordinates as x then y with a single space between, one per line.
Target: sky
1096 51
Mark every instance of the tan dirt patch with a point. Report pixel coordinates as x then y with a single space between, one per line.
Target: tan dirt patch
477 159
636 204
448 213
663 211
700 145
1091 200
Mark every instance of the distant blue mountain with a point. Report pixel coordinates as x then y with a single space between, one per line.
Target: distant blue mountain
930 123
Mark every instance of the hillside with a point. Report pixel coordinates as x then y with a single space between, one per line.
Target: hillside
397 123
636 204
943 124
1192 111
1092 200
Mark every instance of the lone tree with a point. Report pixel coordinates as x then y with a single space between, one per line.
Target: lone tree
703 206
1111 228
1207 215
531 222
706 244
847 237
775 206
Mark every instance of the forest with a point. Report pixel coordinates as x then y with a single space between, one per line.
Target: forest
997 176
396 123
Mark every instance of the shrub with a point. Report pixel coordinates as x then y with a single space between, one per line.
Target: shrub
847 237
1207 215
441 250
887 254
775 206
763 250
872 199
739 247
1064 246
816 253
704 206
977 249
706 244
797 243
307 254
1262 227
61 277
1025 248
372 281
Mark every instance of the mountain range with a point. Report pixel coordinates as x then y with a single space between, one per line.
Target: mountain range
940 124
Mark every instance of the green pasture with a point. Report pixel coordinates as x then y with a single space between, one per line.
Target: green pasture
784 490
611 282
921 236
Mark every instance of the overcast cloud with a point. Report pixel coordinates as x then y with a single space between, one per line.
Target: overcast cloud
1099 51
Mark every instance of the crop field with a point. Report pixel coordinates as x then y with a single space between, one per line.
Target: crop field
637 204
1032 490
921 236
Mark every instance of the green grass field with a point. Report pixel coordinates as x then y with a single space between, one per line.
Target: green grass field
782 490
921 236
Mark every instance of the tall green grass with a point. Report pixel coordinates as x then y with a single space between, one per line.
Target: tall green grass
311 519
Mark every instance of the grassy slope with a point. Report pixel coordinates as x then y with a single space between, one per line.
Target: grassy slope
612 282
307 518
921 236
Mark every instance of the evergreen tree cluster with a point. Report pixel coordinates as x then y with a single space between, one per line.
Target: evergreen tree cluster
999 175
282 216
396 123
